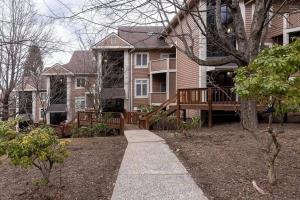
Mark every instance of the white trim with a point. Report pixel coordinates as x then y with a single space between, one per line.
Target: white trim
76 99
114 47
161 54
126 79
33 106
289 30
131 81
69 96
141 66
168 85
252 10
163 71
141 97
95 46
76 87
243 10
57 65
48 118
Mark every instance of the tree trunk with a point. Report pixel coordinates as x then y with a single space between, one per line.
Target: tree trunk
271 173
5 112
249 114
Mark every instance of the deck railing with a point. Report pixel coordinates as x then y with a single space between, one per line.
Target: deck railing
133 117
214 95
112 119
294 19
162 64
158 97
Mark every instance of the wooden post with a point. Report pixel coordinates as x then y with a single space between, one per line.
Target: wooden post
178 109
209 99
122 121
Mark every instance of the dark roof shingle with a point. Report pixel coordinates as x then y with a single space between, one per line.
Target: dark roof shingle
82 62
143 37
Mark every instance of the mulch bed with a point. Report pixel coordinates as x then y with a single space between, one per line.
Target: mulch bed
89 173
224 161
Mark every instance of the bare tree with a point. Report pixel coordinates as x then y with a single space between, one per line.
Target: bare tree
20 28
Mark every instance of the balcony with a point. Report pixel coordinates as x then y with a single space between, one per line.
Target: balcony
294 19
162 65
158 97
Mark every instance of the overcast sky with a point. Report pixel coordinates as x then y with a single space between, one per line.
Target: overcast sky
63 30
69 30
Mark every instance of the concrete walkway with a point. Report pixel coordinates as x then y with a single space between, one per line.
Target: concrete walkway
150 170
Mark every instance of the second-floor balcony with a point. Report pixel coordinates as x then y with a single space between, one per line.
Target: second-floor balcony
294 19
162 65
158 97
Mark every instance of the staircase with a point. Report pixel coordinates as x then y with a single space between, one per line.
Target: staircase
145 120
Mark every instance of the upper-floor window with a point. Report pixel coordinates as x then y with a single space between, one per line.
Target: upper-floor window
141 60
79 103
80 82
42 113
141 88
43 96
213 45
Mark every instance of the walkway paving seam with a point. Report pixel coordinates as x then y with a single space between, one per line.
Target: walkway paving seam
151 171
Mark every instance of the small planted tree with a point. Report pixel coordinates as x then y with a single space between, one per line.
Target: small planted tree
39 148
271 80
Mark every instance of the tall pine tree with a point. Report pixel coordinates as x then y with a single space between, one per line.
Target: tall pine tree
33 63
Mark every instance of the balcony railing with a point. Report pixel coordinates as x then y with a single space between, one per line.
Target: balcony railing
163 64
294 19
158 97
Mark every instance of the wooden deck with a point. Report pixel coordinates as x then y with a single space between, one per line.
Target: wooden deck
208 99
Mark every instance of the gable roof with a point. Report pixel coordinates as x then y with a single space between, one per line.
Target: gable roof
113 41
143 37
81 62
57 69
29 84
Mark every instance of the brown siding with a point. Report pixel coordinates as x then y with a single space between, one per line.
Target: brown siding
187 70
138 73
248 19
172 82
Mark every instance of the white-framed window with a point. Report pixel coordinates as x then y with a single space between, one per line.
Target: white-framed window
42 113
79 103
163 87
80 82
141 60
43 96
141 88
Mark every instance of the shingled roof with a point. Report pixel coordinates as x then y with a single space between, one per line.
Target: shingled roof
143 37
82 62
